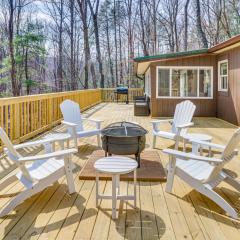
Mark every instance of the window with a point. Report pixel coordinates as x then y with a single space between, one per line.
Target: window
205 86
223 75
163 82
184 82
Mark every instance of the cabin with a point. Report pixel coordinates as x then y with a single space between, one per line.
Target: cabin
210 78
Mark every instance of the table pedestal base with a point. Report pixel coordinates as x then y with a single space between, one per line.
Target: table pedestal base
116 193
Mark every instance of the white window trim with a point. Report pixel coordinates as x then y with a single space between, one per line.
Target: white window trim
220 89
184 67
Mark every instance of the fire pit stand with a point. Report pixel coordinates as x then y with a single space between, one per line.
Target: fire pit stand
124 138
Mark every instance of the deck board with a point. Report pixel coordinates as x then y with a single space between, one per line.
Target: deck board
185 214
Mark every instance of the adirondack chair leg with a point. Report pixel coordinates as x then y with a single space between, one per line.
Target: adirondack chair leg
98 140
170 175
184 145
75 142
22 197
154 141
233 182
219 201
8 181
69 175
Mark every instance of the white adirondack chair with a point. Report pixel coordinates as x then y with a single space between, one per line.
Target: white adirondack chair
36 172
74 122
180 123
205 173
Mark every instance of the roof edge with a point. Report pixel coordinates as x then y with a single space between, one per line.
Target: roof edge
225 44
171 55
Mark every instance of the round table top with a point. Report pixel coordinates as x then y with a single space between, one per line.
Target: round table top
115 165
57 136
198 136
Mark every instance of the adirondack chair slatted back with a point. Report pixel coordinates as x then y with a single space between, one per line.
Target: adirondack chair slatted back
227 155
13 154
229 151
71 113
183 114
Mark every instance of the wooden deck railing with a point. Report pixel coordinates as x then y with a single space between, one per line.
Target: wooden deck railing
108 94
27 116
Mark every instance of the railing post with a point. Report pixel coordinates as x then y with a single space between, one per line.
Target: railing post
17 122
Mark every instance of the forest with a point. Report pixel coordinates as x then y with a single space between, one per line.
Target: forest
62 45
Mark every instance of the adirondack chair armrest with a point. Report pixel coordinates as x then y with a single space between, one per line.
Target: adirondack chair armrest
34 143
96 121
69 124
155 123
186 125
56 155
186 156
92 120
73 127
161 121
205 144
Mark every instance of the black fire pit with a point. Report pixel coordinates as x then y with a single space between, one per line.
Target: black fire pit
124 138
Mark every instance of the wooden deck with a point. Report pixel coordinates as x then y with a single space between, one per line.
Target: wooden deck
185 214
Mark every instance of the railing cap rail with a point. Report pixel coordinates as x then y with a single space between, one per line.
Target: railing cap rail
35 97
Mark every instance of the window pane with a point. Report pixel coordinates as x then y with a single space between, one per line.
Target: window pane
163 82
205 87
175 83
224 82
190 84
223 68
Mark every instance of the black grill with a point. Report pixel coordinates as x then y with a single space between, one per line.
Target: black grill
124 138
121 91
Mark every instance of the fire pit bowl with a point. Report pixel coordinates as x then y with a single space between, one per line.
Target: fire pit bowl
124 138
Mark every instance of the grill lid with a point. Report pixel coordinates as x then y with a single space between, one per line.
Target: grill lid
124 129
122 89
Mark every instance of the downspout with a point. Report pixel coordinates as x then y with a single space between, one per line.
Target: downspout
141 78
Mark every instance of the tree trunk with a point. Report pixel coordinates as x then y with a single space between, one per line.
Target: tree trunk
14 81
87 55
97 42
99 57
200 31
72 62
60 50
144 45
26 72
115 42
186 25
120 54
109 53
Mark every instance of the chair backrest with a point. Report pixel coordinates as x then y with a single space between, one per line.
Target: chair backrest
228 153
71 113
13 154
183 114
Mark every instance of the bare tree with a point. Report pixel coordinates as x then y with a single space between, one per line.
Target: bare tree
15 83
87 59
200 31
186 25
94 13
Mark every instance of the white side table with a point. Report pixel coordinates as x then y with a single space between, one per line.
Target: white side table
115 166
197 136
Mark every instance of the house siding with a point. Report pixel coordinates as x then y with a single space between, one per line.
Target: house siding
165 107
228 103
